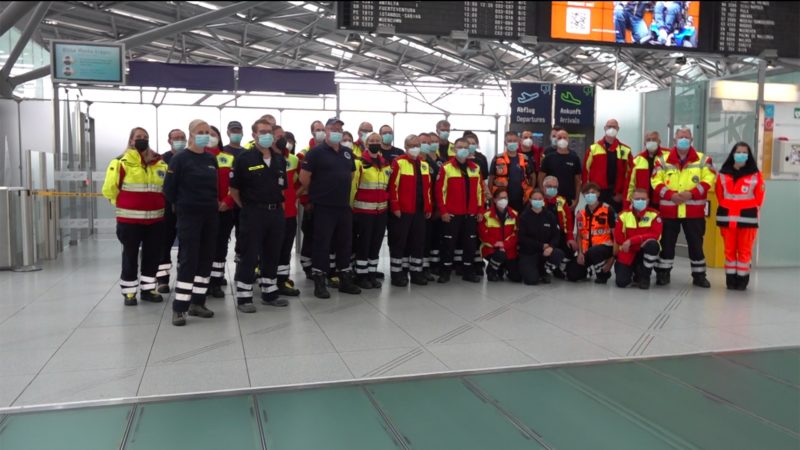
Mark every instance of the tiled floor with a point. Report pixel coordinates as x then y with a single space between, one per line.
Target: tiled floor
65 335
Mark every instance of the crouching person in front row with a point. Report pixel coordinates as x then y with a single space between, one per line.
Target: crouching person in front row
498 233
636 236
538 241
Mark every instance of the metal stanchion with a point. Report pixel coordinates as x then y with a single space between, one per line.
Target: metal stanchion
29 260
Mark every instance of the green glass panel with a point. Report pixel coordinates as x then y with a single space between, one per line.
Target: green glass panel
553 407
100 428
331 419
682 410
781 364
444 414
202 424
743 387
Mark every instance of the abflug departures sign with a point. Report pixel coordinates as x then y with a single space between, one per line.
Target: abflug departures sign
531 104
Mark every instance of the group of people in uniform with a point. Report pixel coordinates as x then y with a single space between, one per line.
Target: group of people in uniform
446 207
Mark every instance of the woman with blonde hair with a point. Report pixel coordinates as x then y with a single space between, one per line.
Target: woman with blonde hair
191 185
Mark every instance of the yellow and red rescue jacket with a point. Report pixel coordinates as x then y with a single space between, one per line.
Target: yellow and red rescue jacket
136 187
639 228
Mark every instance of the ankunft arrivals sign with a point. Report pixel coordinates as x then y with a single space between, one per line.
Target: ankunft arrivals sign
531 104
574 106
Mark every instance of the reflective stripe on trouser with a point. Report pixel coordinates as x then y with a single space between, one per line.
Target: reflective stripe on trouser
407 242
244 292
163 271
285 256
362 267
147 283
226 221
262 234
197 233
459 233
217 271
269 288
333 230
129 286
738 249
170 225
370 230
693 230
150 238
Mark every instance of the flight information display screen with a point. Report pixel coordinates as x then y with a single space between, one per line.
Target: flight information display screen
750 27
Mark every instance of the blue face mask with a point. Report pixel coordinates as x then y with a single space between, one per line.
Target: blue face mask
335 137
201 140
443 135
537 204
551 191
425 148
472 148
178 145
590 197
236 138
684 143
512 146
740 158
387 138
266 140
462 153
639 204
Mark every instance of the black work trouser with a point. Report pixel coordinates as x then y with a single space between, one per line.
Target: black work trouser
221 251
407 243
197 239
595 257
431 259
170 231
285 258
307 246
333 229
694 230
498 263
370 229
150 238
262 234
460 232
642 266
532 265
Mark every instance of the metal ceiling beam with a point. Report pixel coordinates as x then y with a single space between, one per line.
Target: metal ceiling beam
13 13
25 36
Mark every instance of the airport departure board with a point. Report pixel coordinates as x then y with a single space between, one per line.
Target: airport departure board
491 20
749 27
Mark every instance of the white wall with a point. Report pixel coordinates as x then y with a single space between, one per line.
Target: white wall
626 107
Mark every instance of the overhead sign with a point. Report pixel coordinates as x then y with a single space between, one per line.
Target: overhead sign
491 20
574 106
87 62
748 28
531 104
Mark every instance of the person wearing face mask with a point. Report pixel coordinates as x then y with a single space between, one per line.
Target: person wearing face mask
483 164
682 180
327 175
740 192
411 204
429 143
226 219
636 238
364 131
177 142
133 185
347 141
191 185
389 151
512 171
558 205
460 199
257 184
446 148
317 138
286 285
595 225
565 165
553 141
235 135
539 237
641 169
606 164
307 223
370 203
498 234
533 153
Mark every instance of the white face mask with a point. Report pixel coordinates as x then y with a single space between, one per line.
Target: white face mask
611 132
289 146
528 142
562 143
502 204
413 152
347 144
213 142
651 146
319 136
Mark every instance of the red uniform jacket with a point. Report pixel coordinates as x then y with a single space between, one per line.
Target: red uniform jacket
452 189
639 227
639 174
225 162
491 230
534 156
595 165
566 218
403 186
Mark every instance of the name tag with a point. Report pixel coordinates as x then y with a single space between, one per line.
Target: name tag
258 167
280 181
547 225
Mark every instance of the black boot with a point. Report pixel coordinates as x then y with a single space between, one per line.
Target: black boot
492 275
419 279
701 281
320 288
662 278
376 284
216 292
363 282
601 277
428 275
151 296
444 276
400 279
287 288
731 281
347 285
743 281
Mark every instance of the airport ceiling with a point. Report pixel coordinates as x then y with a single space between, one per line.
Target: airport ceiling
303 35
